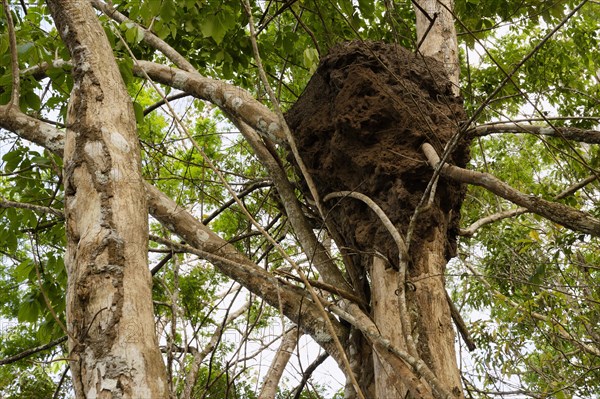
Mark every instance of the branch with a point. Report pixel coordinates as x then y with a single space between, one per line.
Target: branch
538 316
32 351
411 375
235 100
271 380
306 236
468 232
36 208
308 373
326 287
568 133
555 212
149 37
14 59
251 188
402 261
162 102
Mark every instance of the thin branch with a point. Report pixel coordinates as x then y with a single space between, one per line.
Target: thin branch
558 213
308 373
538 316
403 259
379 212
469 231
14 59
199 356
161 102
202 240
251 188
286 130
350 313
32 351
304 231
36 208
460 324
569 133
324 286
509 75
235 100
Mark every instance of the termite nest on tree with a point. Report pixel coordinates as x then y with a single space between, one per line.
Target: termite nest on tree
359 126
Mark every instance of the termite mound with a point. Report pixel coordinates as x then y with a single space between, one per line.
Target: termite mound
359 126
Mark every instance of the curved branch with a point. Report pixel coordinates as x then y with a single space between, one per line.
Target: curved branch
234 100
553 211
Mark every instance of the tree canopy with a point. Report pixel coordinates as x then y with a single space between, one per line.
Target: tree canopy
526 274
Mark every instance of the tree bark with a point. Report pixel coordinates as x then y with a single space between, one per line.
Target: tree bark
436 35
113 345
289 340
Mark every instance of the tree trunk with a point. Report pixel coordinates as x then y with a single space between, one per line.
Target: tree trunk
113 346
436 35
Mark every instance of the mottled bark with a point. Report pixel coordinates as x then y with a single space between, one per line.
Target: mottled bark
436 35
112 340
289 341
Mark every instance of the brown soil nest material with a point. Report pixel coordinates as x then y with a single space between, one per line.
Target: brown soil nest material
359 126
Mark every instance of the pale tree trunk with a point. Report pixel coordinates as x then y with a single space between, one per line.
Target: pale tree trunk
113 346
437 35
289 341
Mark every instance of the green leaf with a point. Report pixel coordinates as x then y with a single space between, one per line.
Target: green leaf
21 272
168 11
139 112
29 311
311 59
